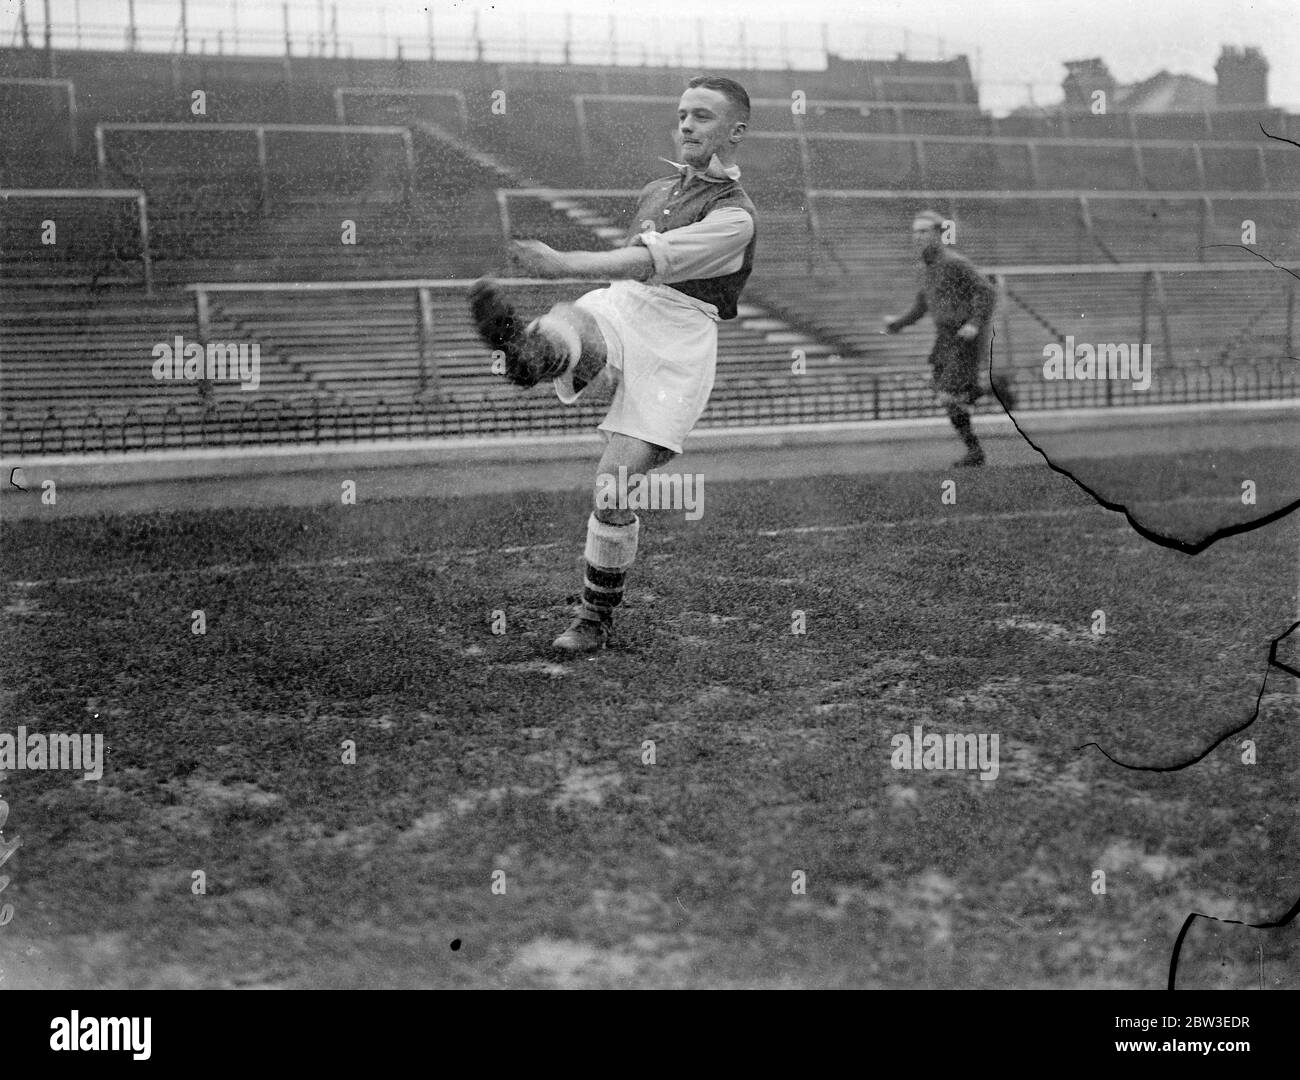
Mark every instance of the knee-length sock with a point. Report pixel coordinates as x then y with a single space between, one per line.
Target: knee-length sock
610 552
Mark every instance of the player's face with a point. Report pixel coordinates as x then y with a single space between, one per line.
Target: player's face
705 127
924 235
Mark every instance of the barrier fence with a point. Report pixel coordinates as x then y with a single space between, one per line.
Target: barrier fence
1273 290
277 421
387 93
61 88
1084 200
1136 127
441 409
821 253
317 28
260 132
1132 150
896 109
284 31
1137 152
142 208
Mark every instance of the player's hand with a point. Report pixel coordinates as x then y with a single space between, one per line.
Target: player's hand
532 258
968 332
889 327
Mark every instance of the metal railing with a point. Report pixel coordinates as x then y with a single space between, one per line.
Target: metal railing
797 109
1153 303
1031 146
820 240
429 378
504 195
866 397
440 407
1082 198
1130 153
140 198
314 28
65 85
342 93
260 131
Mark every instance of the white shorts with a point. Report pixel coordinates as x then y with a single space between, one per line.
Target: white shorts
664 346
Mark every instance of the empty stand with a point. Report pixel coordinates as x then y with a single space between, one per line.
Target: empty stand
266 187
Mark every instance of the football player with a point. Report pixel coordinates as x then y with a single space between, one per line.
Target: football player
648 341
961 301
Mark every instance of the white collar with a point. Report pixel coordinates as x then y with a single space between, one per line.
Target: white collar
716 171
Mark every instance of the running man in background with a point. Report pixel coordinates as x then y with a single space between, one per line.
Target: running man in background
961 301
650 339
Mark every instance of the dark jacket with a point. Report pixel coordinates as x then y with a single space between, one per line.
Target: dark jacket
954 293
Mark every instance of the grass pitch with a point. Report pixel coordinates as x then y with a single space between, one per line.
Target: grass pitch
476 752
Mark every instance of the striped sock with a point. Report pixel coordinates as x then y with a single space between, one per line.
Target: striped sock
611 550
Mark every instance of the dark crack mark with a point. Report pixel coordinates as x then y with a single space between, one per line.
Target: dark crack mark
1284 921
1258 255
1187 547
1279 138
1273 661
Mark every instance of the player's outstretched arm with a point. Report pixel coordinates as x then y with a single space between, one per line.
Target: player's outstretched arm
893 326
535 259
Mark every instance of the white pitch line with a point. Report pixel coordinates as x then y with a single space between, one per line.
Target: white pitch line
344 562
1009 515
218 570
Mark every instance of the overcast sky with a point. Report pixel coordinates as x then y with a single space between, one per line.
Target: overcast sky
1022 40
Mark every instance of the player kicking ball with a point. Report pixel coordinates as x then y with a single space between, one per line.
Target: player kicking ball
961 300
649 341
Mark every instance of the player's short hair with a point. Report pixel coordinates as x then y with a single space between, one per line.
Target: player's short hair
728 88
931 217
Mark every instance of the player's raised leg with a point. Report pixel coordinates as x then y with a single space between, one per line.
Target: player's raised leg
612 533
564 342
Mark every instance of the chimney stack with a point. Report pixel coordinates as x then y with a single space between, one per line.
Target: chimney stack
1243 76
1082 78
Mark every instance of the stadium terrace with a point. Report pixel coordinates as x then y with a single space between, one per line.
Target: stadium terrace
220 362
